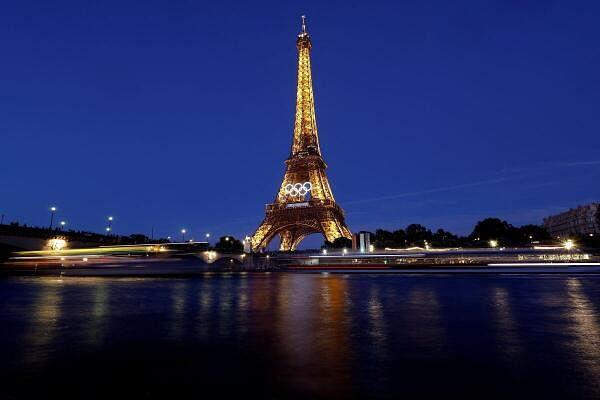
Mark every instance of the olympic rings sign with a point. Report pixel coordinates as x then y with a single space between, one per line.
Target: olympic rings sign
297 189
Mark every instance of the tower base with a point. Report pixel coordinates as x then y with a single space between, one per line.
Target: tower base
294 221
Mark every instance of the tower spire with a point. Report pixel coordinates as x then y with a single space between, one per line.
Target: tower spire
306 139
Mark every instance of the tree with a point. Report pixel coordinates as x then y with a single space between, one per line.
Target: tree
383 239
417 234
398 239
491 229
529 233
139 238
443 238
229 244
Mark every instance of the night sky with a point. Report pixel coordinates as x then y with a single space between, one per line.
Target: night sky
180 114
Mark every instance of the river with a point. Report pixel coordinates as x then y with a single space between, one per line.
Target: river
301 336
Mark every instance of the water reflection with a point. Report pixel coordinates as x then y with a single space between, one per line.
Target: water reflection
316 335
205 301
509 343
424 325
332 340
44 325
178 309
96 329
295 318
378 326
585 331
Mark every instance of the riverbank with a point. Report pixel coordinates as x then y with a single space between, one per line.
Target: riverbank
194 268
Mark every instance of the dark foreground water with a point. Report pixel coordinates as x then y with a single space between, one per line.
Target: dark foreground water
302 336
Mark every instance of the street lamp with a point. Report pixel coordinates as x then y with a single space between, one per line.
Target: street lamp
493 243
52 212
109 227
62 225
183 235
207 237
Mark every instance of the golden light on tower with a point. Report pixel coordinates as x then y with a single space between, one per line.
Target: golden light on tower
304 203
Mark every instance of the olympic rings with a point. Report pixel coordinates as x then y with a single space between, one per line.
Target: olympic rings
297 189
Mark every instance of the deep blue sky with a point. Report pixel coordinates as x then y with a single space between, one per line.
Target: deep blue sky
179 113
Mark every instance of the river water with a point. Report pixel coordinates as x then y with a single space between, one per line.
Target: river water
301 336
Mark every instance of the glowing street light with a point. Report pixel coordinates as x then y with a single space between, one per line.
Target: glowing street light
324 251
345 250
57 244
569 244
62 224
183 235
52 212
493 243
207 236
109 227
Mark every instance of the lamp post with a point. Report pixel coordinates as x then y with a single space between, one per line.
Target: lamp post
207 237
183 235
62 225
52 212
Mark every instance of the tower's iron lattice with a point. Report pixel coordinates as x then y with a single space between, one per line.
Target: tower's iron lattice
304 203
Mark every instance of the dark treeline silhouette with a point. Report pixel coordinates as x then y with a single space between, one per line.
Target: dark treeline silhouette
490 229
16 229
229 244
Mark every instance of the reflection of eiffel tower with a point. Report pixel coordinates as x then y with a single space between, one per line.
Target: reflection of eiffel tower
304 204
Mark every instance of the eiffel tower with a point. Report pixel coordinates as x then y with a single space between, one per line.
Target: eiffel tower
304 203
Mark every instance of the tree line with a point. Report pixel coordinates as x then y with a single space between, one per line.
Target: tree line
485 232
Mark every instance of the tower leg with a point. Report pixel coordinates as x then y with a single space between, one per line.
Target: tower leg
262 236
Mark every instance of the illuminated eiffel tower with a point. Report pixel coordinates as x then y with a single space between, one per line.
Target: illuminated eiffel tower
304 203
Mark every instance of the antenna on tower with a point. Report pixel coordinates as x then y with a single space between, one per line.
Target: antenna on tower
304 24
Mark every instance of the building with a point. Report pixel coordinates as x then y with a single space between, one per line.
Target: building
361 241
581 221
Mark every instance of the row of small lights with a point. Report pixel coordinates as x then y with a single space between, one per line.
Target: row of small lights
567 244
184 231
63 223
109 228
